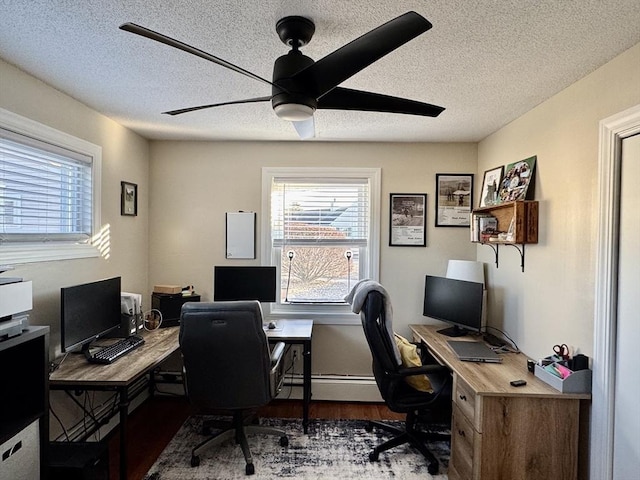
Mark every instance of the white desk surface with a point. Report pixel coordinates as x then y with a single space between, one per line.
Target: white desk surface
290 329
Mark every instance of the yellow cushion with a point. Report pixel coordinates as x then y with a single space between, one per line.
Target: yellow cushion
410 358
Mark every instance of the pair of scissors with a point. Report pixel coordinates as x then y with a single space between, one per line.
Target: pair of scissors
562 350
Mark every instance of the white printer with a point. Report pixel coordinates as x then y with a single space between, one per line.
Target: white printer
16 300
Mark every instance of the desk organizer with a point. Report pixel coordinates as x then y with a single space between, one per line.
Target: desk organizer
577 382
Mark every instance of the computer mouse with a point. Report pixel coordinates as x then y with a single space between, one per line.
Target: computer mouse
271 325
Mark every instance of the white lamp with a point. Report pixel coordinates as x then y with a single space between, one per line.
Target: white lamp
466 270
471 271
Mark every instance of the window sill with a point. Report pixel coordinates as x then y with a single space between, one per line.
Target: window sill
30 253
321 315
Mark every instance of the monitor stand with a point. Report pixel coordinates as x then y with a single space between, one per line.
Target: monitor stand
454 331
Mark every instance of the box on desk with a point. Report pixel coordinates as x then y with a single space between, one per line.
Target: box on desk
578 382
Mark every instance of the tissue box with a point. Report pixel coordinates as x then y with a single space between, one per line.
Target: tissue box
578 382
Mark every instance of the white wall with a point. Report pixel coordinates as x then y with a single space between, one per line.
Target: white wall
125 156
193 184
553 300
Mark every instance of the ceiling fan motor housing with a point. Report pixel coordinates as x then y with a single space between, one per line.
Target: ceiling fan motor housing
287 91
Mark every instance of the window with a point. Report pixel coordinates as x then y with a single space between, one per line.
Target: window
321 230
49 193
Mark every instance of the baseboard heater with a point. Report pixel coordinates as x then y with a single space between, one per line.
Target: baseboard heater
344 388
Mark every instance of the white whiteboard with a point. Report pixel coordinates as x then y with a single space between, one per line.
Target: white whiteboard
241 235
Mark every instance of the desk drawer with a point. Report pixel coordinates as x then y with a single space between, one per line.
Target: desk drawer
465 398
463 443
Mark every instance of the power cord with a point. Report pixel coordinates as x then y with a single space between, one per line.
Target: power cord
504 348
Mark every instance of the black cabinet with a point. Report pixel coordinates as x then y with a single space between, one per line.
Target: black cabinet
24 404
170 306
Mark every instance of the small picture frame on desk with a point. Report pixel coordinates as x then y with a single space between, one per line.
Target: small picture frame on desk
128 199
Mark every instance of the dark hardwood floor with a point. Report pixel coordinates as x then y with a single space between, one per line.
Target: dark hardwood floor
152 425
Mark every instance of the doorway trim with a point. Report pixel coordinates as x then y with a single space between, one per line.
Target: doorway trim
612 131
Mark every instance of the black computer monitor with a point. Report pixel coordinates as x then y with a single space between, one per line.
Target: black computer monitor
88 312
244 283
457 302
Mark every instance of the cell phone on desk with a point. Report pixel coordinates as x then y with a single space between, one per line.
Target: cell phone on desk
518 383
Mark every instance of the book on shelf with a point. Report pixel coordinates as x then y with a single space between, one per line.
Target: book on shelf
483 225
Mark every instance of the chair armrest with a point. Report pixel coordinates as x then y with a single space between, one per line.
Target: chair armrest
426 355
276 353
276 376
424 369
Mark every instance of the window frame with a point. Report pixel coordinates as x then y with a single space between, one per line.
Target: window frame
37 251
330 314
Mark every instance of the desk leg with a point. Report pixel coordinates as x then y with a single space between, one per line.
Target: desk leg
124 411
306 387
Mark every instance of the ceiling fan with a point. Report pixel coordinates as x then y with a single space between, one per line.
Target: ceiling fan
300 86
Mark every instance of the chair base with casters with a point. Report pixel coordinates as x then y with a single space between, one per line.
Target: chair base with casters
238 432
409 434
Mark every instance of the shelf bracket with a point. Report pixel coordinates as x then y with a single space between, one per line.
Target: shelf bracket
520 251
495 248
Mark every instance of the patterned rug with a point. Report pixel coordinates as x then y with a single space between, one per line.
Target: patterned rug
333 449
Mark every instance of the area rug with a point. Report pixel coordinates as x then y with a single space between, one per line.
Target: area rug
332 450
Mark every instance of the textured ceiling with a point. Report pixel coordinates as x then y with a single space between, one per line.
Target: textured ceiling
487 62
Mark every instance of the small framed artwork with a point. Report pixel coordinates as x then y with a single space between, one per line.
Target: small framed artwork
454 195
490 187
407 212
128 198
518 180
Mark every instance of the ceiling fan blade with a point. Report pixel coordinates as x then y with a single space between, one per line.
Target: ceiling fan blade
348 99
202 107
306 128
158 37
330 71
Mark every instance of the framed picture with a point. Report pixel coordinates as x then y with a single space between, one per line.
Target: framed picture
454 195
128 198
491 186
518 180
407 212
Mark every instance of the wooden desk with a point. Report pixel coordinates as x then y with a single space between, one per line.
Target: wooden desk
500 432
297 332
76 373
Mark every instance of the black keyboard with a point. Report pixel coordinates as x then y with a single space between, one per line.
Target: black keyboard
111 353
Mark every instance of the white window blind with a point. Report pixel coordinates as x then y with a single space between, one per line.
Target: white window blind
329 211
45 191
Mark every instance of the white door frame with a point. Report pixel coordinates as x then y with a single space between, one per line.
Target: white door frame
612 131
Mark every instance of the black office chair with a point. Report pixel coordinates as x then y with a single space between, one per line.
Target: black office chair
228 366
421 408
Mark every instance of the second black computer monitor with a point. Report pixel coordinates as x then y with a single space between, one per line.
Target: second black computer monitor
457 302
244 283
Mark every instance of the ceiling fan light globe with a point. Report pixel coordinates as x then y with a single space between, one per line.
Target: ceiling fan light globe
294 112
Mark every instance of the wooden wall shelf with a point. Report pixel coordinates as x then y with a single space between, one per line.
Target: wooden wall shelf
525 216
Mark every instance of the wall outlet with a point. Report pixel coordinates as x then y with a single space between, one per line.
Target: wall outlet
296 353
294 360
